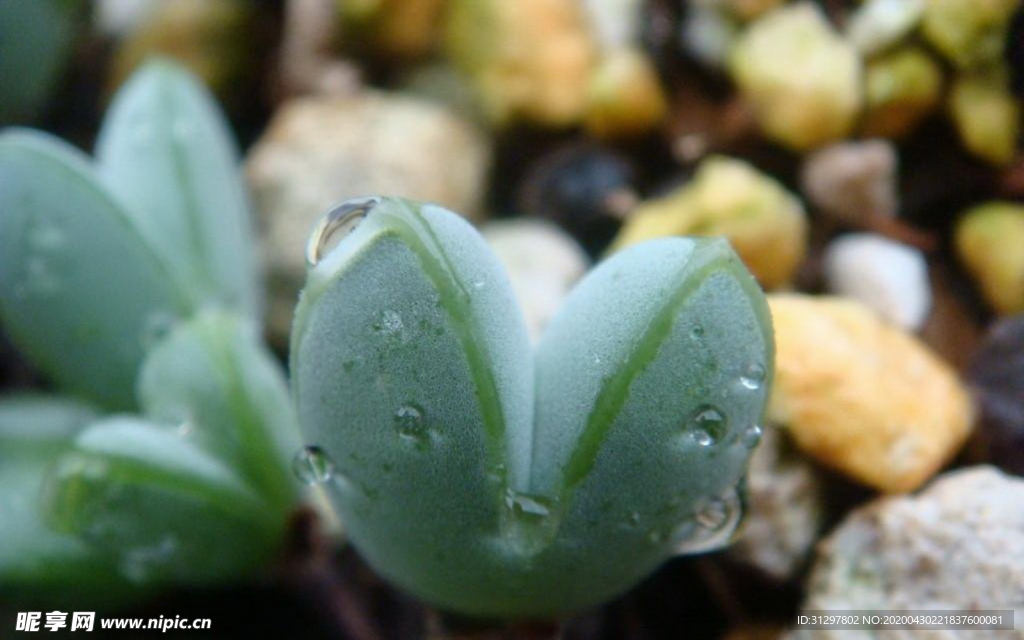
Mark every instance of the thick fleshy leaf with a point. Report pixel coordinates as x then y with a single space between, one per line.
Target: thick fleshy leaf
214 378
166 154
159 506
81 292
651 383
412 375
34 431
649 390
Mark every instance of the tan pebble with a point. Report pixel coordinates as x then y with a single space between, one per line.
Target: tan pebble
862 396
765 224
529 60
317 152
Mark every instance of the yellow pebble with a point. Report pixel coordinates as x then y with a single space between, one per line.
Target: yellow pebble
863 397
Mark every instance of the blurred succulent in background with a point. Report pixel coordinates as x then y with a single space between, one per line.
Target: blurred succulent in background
496 480
35 44
130 283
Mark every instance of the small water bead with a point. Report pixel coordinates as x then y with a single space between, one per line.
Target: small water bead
713 515
530 524
312 465
712 525
338 222
708 425
697 332
526 505
751 436
411 426
753 377
391 323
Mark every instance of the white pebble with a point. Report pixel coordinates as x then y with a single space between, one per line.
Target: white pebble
878 24
543 263
889 277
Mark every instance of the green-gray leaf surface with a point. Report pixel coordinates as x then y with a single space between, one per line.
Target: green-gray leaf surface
214 378
159 506
81 292
457 480
34 560
165 152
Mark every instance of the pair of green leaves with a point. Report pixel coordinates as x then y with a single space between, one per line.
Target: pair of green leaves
494 480
130 282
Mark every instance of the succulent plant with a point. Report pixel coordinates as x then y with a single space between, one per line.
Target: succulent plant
495 480
130 283
482 475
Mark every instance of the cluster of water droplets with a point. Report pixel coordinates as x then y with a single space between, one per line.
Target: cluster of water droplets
312 465
708 425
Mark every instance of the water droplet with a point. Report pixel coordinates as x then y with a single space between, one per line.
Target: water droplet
751 436
712 526
753 377
391 323
479 284
713 515
634 519
157 326
340 222
529 522
411 426
525 505
312 465
708 425
185 429
697 332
